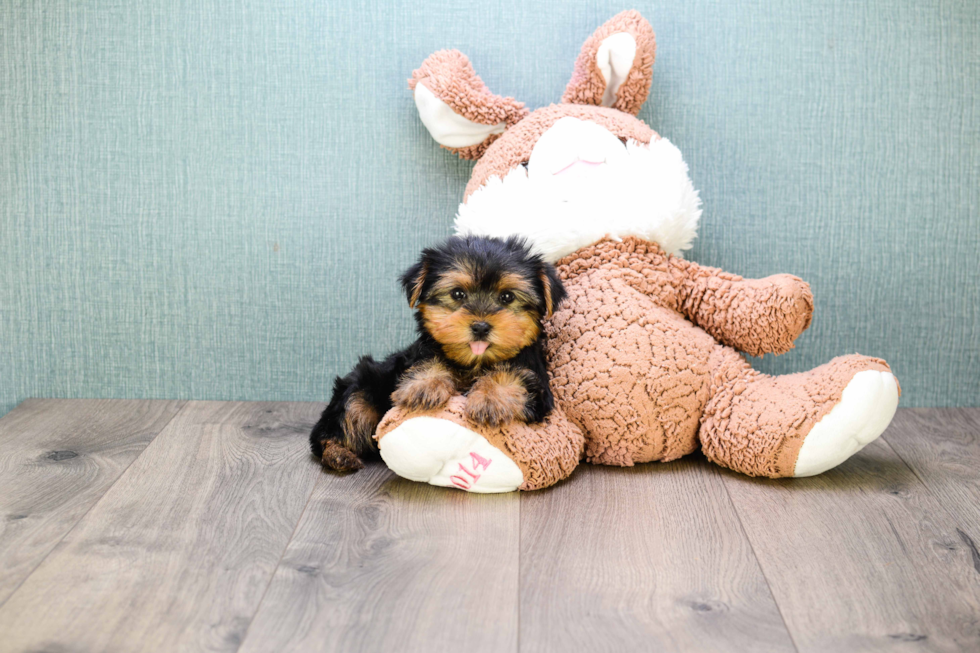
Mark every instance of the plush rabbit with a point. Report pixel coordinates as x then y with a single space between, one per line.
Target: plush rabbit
644 354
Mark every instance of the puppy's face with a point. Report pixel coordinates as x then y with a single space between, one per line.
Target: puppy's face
481 317
482 299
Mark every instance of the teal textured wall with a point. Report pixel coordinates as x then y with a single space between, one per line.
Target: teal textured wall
212 198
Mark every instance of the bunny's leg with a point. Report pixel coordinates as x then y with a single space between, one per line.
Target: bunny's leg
444 448
796 424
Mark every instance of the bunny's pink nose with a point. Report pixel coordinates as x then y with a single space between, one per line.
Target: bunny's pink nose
579 164
573 147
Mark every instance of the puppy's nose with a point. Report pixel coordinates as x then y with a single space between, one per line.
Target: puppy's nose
480 330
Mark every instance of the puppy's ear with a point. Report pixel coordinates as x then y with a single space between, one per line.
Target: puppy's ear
413 281
552 291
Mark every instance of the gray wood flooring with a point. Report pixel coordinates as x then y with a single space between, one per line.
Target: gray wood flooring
206 526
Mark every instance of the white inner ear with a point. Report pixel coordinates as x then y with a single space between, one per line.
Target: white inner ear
615 58
448 127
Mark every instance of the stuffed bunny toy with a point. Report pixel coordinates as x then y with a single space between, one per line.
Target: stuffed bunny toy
644 353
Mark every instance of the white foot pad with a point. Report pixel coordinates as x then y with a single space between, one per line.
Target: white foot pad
439 452
866 407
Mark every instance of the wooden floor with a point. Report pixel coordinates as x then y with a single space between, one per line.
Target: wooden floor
193 526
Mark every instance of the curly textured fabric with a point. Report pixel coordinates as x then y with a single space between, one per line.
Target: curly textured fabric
636 364
473 152
756 424
757 316
545 453
588 85
626 366
451 78
507 153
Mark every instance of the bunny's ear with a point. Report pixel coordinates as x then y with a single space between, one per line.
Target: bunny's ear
456 106
615 67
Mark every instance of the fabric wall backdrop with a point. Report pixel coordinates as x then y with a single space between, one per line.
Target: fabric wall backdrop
213 198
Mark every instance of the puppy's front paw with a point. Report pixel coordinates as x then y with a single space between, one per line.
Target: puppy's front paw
494 401
427 387
423 395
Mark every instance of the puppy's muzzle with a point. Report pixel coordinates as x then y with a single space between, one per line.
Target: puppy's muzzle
480 330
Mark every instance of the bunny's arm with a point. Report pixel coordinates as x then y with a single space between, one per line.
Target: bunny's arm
756 316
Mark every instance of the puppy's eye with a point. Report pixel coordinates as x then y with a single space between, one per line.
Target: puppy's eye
458 294
506 297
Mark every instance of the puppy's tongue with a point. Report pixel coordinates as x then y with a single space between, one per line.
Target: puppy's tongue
479 347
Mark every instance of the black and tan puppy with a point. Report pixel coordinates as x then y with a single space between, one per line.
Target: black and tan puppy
479 304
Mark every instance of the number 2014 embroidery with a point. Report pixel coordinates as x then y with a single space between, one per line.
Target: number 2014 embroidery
464 483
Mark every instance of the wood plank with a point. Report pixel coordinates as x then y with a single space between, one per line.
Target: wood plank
57 458
379 563
862 557
179 551
942 446
645 558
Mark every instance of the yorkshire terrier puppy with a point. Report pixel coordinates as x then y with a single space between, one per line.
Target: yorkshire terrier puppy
479 304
